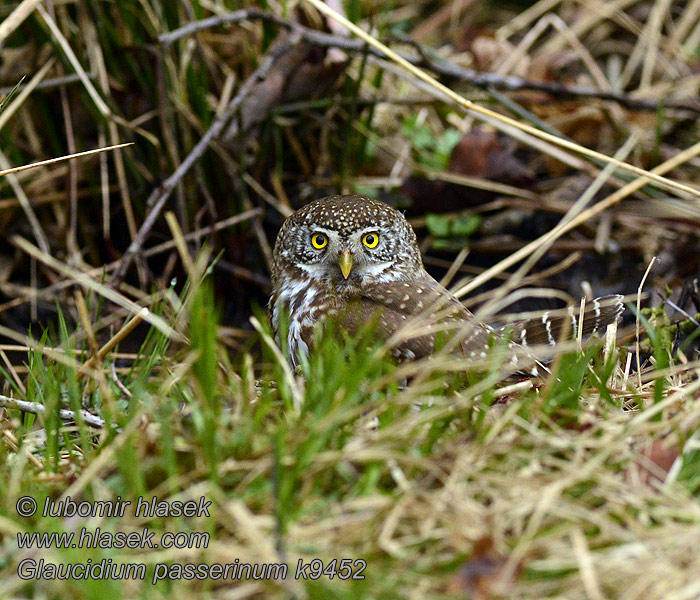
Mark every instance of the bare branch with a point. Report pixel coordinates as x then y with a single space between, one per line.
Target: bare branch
39 409
160 195
439 66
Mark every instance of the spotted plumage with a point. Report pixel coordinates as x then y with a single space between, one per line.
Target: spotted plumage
352 259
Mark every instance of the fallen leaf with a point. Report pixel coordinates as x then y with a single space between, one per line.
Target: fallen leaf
478 577
655 461
481 154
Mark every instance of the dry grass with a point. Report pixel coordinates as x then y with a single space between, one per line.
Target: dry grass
450 479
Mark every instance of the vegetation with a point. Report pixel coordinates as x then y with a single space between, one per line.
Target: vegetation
435 479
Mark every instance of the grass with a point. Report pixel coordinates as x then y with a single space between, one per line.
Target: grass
437 479
566 488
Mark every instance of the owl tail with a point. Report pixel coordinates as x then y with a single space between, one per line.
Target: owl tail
555 326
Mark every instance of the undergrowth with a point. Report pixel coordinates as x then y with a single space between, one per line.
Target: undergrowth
347 459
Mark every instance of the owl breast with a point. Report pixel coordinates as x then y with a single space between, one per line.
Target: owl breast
306 303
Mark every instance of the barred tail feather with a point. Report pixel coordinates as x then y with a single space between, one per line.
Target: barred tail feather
549 329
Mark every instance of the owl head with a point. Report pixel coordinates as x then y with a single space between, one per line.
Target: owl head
346 241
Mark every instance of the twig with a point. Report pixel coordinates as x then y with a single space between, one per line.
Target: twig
37 229
638 316
50 161
599 207
204 231
47 84
16 17
111 344
440 66
62 42
242 273
685 313
105 291
40 409
503 122
98 271
159 196
17 102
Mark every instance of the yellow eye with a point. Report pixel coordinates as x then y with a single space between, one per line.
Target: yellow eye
370 240
318 240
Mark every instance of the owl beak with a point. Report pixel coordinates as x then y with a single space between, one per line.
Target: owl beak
345 263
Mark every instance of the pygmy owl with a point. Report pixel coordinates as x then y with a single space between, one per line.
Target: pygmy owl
353 259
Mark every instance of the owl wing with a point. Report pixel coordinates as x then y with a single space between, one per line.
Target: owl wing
422 303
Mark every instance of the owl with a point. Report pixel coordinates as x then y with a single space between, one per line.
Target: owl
353 259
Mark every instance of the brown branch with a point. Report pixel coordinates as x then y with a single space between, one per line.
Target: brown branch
439 66
160 195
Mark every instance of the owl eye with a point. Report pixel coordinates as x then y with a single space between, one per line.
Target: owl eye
319 241
370 240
